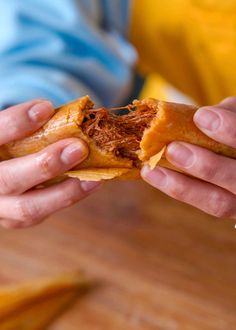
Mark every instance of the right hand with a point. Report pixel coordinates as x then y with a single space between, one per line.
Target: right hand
20 204
210 183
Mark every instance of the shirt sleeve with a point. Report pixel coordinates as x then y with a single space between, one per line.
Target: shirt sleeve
61 50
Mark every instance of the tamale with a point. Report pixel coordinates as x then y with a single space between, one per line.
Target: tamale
119 145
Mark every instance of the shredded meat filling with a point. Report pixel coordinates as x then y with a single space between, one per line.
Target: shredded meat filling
118 134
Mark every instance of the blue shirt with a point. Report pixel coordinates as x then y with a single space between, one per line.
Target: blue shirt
63 49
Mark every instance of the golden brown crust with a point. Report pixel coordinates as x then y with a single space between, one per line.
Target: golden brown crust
65 124
174 122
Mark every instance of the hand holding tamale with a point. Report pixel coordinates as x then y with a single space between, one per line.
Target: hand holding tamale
119 145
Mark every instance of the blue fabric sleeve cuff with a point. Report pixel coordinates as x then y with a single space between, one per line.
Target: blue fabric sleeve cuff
56 94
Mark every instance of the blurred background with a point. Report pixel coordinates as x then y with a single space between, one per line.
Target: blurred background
156 263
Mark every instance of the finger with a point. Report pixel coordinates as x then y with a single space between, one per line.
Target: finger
229 103
217 123
203 164
34 206
21 120
20 174
202 195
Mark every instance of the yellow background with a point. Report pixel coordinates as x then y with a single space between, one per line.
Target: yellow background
189 43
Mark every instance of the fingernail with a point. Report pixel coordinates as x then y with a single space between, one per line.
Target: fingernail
156 177
207 119
74 153
180 155
41 111
89 186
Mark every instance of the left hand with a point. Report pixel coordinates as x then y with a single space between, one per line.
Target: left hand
21 204
213 189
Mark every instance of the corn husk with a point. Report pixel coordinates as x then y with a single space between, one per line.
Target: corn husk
34 306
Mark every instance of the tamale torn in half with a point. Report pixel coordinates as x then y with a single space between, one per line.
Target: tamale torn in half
119 134
119 145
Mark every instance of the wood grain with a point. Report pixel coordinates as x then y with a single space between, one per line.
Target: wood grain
155 263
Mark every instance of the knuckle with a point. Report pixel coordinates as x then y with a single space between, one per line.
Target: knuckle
221 206
13 126
7 186
48 165
72 194
178 191
68 201
231 132
207 170
26 211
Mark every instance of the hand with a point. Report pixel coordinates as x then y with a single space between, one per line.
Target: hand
213 189
20 204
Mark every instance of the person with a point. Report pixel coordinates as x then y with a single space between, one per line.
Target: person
59 51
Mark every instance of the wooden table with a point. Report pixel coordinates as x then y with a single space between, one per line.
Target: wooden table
157 264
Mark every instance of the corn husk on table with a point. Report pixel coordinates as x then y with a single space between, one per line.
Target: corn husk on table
34 306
